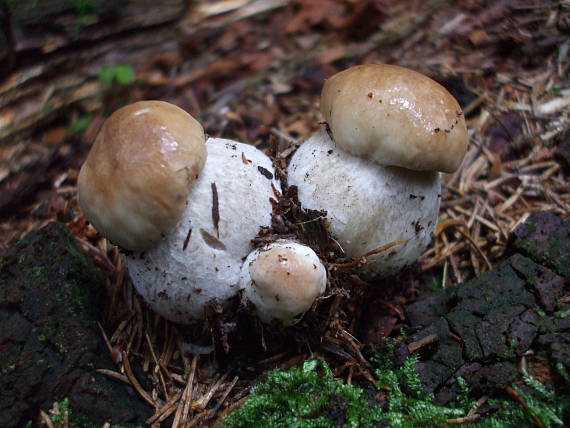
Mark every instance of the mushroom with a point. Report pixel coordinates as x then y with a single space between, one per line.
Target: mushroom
188 219
198 263
391 130
282 280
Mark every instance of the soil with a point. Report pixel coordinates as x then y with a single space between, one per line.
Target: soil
479 330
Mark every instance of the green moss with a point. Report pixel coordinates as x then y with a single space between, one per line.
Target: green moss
563 313
8 369
531 225
61 411
410 406
62 416
555 256
38 271
308 396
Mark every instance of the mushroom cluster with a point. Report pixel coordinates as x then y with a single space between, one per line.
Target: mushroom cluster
199 260
375 169
188 208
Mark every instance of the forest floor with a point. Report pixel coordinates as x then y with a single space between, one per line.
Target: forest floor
253 71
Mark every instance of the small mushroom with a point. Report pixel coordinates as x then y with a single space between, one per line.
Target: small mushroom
282 280
376 175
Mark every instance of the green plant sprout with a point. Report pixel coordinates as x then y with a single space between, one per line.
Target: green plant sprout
85 12
435 284
123 74
80 124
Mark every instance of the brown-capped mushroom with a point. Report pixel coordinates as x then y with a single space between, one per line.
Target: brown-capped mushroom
282 280
187 209
391 130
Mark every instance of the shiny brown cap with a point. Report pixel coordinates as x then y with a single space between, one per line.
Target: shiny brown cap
283 280
396 117
135 181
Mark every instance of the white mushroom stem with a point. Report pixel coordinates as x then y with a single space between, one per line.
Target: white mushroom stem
199 261
282 280
368 205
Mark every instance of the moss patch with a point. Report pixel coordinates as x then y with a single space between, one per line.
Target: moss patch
308 396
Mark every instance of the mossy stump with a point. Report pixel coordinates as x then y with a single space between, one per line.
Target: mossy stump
51 296
484 326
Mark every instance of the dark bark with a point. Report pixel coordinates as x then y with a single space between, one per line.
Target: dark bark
51 296
487 324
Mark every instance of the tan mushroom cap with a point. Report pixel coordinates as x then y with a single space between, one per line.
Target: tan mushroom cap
395 116
135 181
283 280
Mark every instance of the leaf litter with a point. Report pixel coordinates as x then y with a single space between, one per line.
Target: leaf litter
253 71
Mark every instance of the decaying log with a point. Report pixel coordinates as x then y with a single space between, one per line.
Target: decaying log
51 54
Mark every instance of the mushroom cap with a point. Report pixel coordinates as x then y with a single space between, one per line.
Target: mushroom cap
282 280
197 262
395 116
368 205
134 184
